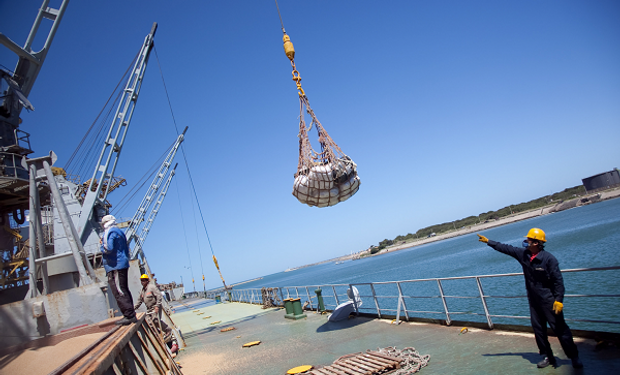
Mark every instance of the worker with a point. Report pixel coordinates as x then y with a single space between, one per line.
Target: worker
116 263
152 299
545 294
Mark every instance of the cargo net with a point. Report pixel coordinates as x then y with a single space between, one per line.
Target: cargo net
323 178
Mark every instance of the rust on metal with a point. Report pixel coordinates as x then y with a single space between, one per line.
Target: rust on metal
135 347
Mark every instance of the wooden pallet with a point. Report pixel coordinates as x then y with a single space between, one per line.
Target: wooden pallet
368 363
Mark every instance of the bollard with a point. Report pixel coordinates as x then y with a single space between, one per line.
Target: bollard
293 309
297 306
319 297
288 305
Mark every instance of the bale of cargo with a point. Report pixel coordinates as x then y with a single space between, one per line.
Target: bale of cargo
324 178
327 184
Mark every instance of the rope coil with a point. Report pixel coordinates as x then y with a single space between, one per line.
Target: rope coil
412 361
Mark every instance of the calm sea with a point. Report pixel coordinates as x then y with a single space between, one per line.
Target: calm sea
583 237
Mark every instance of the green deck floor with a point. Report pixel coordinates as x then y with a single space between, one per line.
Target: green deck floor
288 343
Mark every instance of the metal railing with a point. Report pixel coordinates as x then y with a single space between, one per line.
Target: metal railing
448 297
11 166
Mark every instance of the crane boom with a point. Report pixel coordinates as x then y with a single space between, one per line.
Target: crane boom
138 217
113 144
152 215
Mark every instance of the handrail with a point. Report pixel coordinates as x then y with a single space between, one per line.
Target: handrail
386 303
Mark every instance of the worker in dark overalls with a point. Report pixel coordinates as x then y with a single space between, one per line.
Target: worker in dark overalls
545 293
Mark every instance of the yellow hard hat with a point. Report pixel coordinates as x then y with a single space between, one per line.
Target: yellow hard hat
145 276
536 234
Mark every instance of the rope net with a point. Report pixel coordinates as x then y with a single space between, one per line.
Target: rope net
323 178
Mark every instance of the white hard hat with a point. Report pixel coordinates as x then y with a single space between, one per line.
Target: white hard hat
107 218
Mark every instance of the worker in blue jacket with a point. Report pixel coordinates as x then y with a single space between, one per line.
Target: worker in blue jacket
545 293
116 263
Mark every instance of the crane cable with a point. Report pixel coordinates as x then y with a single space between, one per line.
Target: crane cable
189 258
289 50
193 187
84 151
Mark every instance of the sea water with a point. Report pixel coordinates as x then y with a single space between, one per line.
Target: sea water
582 237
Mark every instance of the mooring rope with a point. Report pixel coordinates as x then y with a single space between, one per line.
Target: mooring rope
270 297
412 361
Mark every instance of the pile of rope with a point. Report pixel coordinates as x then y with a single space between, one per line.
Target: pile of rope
270 298
412 361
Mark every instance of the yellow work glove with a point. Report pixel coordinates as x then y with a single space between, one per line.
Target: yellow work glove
557 307
482 238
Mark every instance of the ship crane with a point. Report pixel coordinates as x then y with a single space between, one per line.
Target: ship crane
160 177
139 239
74 217
106 165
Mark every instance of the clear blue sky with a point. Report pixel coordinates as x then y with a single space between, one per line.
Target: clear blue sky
449 108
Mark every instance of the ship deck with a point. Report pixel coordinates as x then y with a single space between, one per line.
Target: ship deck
287 343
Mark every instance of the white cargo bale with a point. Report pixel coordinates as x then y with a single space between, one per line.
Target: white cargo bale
322 172
354 185
320 177
328 184
301 184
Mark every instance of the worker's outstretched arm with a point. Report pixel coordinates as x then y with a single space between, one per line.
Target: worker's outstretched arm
502 248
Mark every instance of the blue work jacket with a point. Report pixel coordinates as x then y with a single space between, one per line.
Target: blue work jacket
543 279
117 255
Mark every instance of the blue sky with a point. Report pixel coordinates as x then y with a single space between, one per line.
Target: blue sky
449 108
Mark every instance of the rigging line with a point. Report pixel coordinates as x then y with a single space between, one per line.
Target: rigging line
186 163
197 238
95 121
67 164
189 173
87 157
281 23
174 121
189 258
141 182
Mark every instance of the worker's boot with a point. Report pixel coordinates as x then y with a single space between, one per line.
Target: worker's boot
546 362
576 362
124 321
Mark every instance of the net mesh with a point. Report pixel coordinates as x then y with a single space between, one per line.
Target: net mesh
323 178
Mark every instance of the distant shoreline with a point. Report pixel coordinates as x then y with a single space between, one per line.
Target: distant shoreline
577 202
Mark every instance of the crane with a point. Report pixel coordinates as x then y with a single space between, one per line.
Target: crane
138 217
106 165
139 240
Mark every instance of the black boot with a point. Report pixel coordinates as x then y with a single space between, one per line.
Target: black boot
546 362
124 321
576 362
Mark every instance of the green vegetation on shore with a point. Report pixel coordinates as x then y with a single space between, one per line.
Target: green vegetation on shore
568 193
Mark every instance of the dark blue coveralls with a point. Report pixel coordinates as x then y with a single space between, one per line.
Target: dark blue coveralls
544 284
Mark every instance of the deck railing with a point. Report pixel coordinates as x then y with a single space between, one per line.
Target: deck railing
447 297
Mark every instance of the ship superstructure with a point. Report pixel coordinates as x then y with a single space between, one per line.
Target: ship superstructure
52 279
